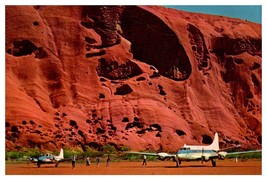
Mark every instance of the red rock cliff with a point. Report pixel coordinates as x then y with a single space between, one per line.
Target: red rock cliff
146 77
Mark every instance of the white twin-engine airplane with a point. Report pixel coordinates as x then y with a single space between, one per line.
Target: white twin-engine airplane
197 153
49 159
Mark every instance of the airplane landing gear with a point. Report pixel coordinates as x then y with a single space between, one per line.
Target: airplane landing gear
38 164
56 165
213 162
178 163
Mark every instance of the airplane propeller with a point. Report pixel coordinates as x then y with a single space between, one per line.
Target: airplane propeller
202 157
221 154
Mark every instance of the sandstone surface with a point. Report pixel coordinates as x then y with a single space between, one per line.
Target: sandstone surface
146 77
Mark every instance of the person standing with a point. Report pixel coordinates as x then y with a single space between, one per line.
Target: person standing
97 161
144 160
73 161
88 163
108 161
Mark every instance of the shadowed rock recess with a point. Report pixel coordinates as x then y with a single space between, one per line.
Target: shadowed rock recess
155 43
146 77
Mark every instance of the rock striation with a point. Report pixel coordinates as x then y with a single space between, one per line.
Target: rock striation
146 77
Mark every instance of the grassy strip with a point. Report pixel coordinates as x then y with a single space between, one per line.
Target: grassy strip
108 150
247 156
24 153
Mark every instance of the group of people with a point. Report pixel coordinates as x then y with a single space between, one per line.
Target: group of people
88 163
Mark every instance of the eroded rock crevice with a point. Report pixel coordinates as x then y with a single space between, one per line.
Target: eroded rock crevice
256 83
123 90
104 20
244 90
111 69
199 47
234 46
155 43
26 47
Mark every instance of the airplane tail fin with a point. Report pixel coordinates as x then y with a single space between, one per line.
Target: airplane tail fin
61 154
215 144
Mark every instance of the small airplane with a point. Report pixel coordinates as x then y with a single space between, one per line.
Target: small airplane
198 153
49 159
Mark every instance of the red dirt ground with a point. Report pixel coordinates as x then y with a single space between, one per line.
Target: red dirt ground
226 167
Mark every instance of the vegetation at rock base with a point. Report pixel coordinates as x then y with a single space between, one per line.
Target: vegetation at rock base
246 156
116 154
23 153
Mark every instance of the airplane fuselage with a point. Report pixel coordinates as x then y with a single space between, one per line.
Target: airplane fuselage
48 159
195 155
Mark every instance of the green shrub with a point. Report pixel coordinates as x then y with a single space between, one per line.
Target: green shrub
131 157
124 148
31 152
108 149
13 155
22 154
68 153
246 156
92 152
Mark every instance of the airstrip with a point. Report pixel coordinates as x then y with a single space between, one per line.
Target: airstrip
226 167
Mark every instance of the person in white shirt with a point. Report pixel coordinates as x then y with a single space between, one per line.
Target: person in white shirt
73 161
88 161
144 160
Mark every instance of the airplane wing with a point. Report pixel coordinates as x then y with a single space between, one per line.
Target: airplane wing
65 159
32 159
143 153
230 147
222 155
243 152
70 159
161 155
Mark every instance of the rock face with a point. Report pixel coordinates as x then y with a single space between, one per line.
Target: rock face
147 77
